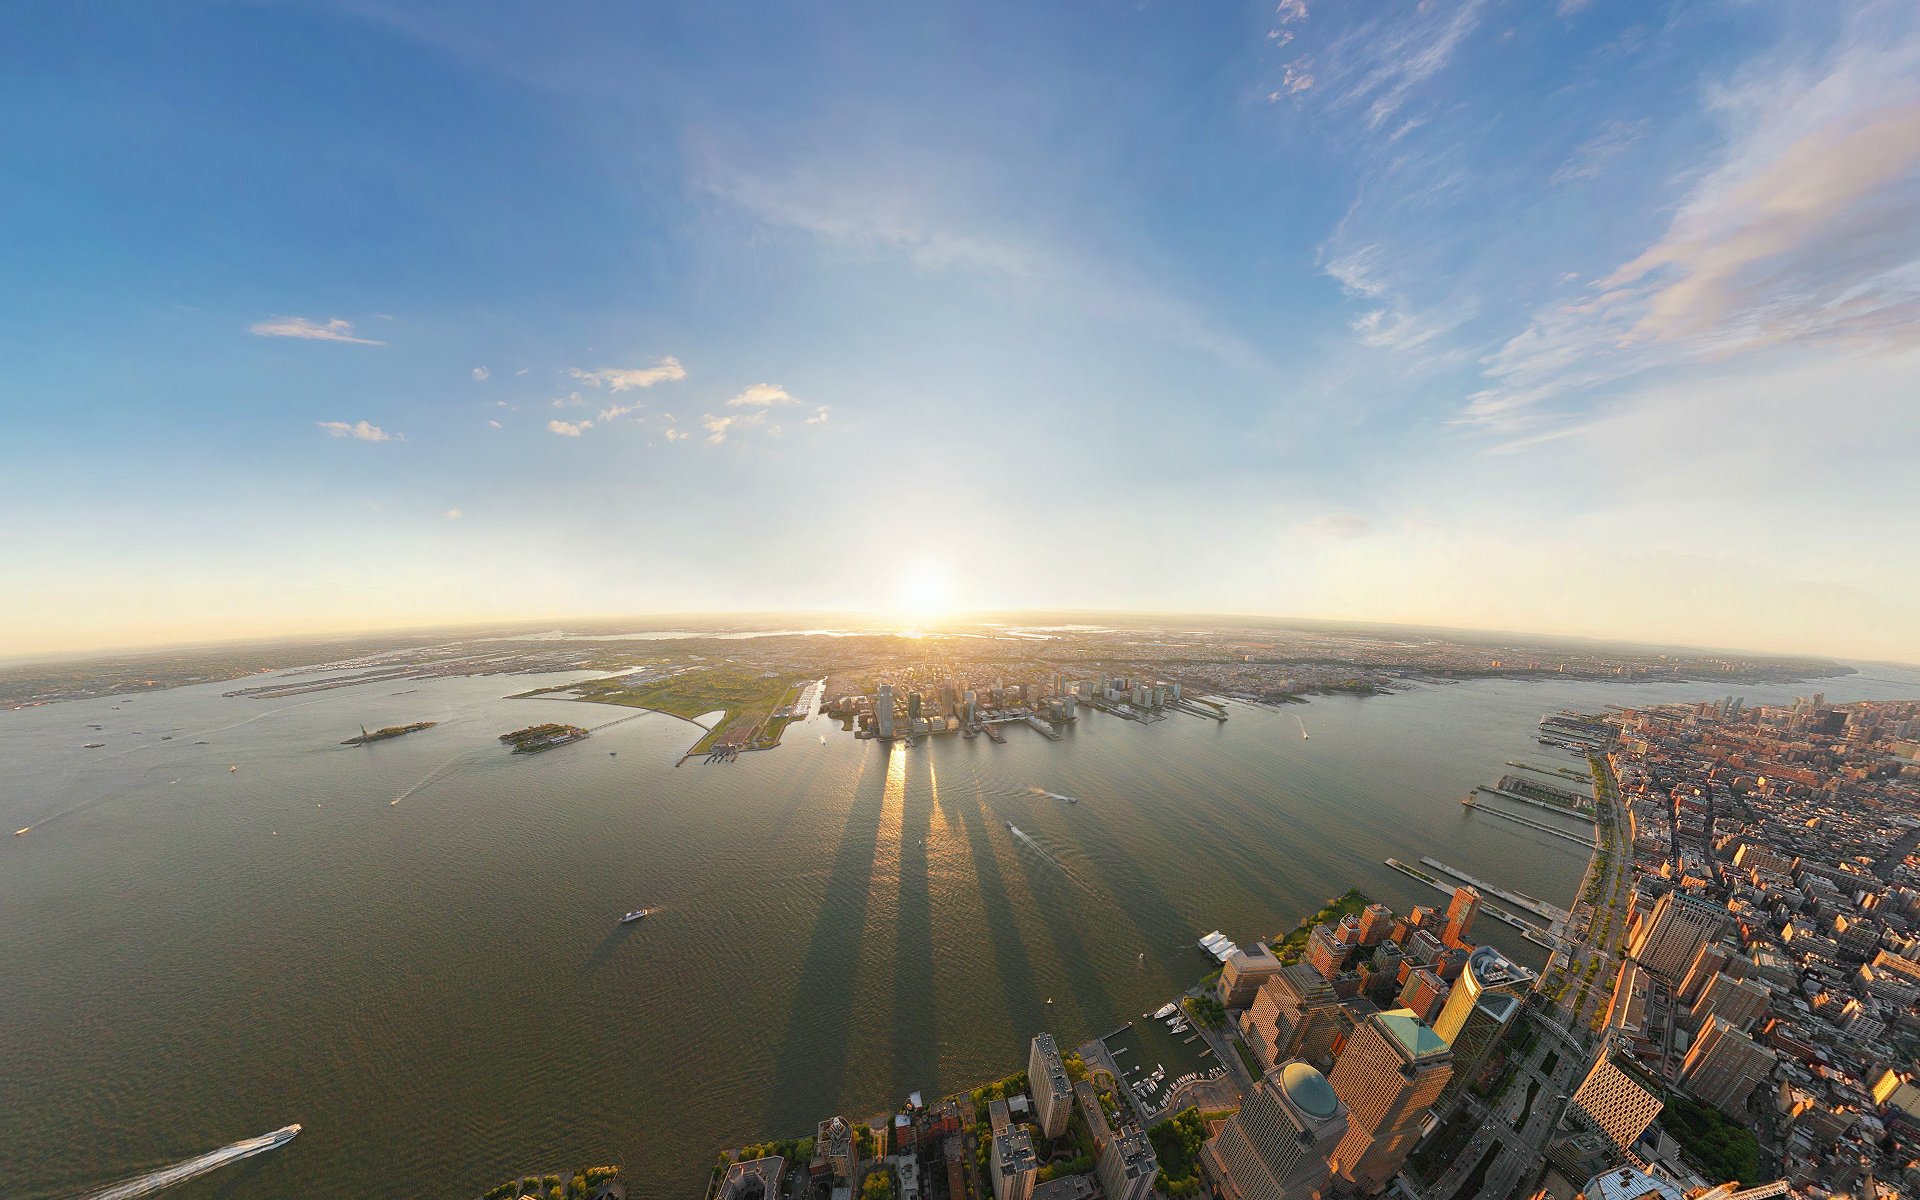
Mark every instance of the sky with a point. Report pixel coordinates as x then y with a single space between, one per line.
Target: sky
1596 318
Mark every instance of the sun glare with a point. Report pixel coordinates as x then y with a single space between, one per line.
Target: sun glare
925 593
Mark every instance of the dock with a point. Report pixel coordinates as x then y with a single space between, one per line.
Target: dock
1520 820
1560 773
1539 908
1528 930
1548 806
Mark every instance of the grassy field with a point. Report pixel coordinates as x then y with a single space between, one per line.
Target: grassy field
744 697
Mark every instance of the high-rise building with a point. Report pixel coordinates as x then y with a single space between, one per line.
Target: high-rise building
1325 953
1389 1077
1672 935
1127 1166
1423 994
1461 911
1294 1015
1723 1067
1618 1098
1277 1146
1376 922
1738 1002
883 711
835 1152
1014 1165
1243 974
1480 1008
1047 1079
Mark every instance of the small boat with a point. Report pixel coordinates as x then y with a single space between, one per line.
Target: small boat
203 743
232 769
1049 999
635 915
613 754
22 831
93 745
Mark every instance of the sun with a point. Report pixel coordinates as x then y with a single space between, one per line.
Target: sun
925 593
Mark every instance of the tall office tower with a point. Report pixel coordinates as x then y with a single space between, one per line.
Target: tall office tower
1618 1098
1244 973
1711 960
913 710
1276 1147
1127 1166
1047 1079
1294 1015
1738 1002
1376 922
1674 932
1480 1008
1389 1076
972 706
1461 911
883 711
1723 1067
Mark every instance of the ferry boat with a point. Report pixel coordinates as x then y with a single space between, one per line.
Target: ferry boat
636 915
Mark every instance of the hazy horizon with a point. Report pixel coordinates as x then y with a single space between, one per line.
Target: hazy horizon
588 626
1591 319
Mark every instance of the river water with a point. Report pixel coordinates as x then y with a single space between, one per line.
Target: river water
436 988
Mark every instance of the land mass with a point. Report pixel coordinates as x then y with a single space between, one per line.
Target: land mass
391 731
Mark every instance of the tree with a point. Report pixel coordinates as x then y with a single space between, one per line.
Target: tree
878 1186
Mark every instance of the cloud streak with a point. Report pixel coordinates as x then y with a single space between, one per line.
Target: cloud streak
334 329
620 379
358 430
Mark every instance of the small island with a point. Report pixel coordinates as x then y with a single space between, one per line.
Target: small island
535 738
391 731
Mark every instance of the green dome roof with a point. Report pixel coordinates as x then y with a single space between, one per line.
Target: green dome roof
1309 1090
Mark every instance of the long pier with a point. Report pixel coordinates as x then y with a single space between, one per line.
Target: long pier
1539 908
1532 932
1546 805
1519 820
1560 773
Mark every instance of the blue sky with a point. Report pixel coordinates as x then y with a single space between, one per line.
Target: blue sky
1590 318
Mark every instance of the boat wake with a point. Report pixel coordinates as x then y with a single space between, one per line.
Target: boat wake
1022 836
438 773
1040 791
193 1168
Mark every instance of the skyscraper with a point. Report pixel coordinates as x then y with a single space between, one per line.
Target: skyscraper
1389 1077
1127 1166
1723 1067
1244 973
1738 1002
1047 1079
1294 1015
1276 1147
1014 1166
883 711
1618 1098
1479 1009
1461 911
1673 934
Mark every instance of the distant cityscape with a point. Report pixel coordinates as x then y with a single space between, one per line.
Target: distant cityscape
1730 1011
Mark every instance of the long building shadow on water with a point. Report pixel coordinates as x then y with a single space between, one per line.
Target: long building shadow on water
813 1053
916 1057
1013 965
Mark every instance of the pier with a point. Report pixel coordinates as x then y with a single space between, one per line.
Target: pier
1539 908
1549 806
1520 820
1560 773
1532 932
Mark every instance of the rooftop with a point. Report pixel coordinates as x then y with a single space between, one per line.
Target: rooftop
1308 1090
1415 1038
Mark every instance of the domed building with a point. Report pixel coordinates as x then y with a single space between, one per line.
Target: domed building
1277 1146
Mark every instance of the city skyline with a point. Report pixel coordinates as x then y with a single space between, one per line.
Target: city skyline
1588 319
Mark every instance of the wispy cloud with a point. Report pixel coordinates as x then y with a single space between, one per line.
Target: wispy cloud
896 220
480 374
620 379
1383 63
571 429
673 434
1591 157
454 514
1800 235
494 423
819 416
762 395
359 430
332 330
